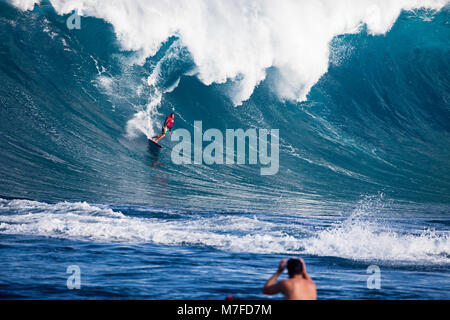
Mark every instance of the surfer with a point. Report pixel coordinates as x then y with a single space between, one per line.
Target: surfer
299 286
166 127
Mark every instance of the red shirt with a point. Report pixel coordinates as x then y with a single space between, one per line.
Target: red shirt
169 122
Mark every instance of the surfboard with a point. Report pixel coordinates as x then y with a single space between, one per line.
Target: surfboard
155 143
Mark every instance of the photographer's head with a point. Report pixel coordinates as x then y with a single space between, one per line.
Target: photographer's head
294 267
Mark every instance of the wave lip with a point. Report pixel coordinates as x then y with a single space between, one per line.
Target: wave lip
241 40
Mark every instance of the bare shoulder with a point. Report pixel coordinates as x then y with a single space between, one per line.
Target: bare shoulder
309 283
284 284
305 283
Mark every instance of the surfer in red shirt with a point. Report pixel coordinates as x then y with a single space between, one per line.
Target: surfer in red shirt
166 127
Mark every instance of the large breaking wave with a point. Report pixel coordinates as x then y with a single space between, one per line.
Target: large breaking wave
359 90
240 40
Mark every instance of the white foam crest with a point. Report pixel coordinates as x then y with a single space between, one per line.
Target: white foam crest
240 39
26 207
81 221
364 237
368 243
357 238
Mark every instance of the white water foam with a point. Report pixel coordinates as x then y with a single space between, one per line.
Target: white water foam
365 236
238 40
82 221
144 121
354 239
362 241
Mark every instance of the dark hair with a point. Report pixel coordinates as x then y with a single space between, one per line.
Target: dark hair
172 114
294 267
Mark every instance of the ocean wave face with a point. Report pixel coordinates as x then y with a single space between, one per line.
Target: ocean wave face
77 108
359 90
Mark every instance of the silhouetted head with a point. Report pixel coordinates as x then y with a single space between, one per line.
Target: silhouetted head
172 115
294 267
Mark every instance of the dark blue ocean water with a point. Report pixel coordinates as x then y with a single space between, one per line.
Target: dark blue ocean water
364 175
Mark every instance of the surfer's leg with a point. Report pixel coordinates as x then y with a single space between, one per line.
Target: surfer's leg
163 134
160 137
